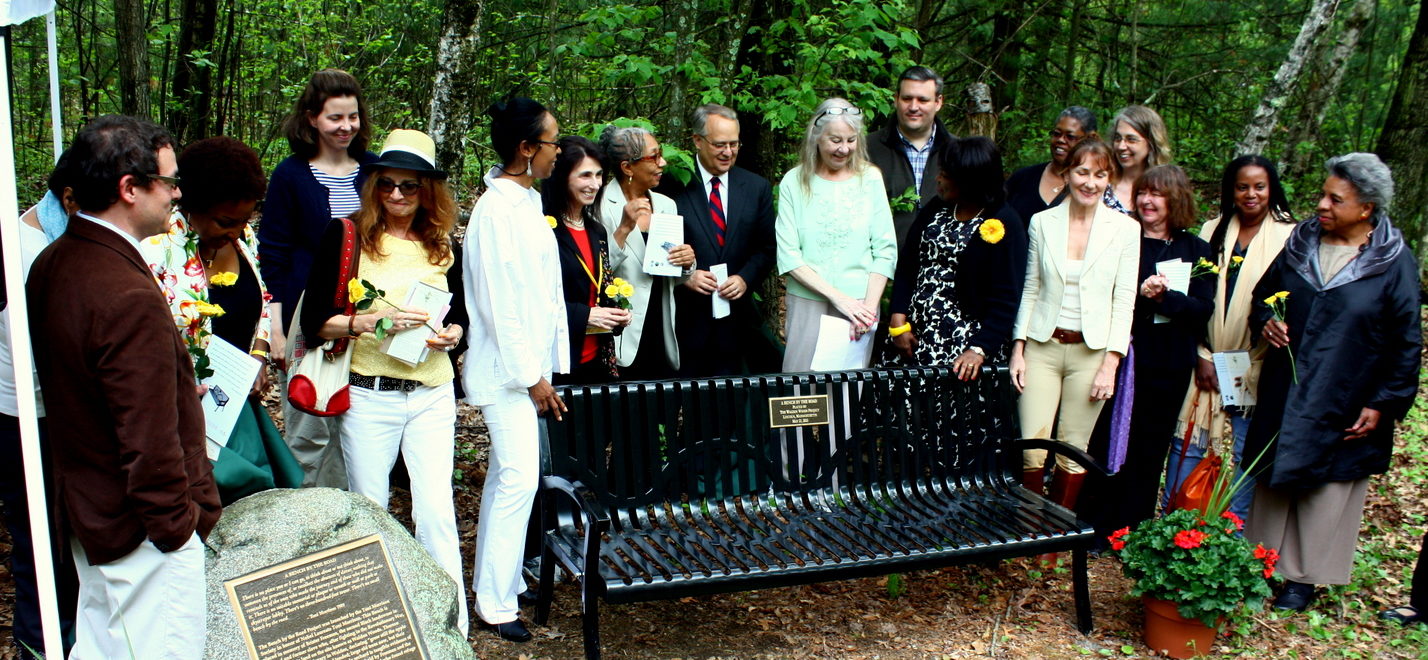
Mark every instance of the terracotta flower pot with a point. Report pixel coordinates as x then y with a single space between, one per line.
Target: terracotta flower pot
1174 635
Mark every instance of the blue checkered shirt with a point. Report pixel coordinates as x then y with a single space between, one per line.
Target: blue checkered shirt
917 158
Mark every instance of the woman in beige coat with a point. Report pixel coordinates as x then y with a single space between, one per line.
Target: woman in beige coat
1073 324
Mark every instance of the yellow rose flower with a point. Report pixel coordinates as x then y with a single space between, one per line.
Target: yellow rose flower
992 231
626 290
550 220
1271 300
209 309
223 279
1282 295
355 291
612 290
1237 260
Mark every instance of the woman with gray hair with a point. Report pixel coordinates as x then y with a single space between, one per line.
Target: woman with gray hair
1339 309
835 234
634 163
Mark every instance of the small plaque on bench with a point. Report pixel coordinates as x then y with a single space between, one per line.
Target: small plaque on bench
345 601
787 411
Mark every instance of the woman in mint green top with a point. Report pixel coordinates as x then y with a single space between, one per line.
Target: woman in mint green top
835 234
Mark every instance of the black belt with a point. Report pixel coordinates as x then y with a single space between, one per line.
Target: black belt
383 383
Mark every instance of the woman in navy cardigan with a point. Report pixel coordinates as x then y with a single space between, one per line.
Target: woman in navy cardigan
328 134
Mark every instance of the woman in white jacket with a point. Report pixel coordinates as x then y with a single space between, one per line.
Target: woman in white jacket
647 349
1073 325
519 338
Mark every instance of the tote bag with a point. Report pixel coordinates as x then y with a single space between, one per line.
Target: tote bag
318 376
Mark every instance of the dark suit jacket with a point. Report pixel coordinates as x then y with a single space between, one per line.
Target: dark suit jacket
885 150
124 420
748 249
576 283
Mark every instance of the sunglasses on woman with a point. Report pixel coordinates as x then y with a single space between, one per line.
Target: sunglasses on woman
408 188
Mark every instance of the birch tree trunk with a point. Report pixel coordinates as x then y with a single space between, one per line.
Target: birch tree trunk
1404 134
452 93
1318 95
133 47
1266 117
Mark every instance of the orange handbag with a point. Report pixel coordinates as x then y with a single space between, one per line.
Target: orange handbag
1197 488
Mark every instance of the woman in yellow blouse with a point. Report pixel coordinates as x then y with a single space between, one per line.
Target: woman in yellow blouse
404 229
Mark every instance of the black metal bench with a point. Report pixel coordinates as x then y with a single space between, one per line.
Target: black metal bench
665 489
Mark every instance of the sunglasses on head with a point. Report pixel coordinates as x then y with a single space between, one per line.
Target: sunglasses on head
835 111
385 186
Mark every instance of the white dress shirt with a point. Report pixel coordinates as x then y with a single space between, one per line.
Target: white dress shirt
114 228
513 294
705 176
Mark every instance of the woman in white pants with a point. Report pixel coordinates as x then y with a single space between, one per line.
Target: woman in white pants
404 230
519 338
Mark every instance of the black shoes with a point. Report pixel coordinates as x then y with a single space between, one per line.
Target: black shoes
1403 615
528 597
511 631
1296 597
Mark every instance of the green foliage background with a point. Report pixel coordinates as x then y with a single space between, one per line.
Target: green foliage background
1203 64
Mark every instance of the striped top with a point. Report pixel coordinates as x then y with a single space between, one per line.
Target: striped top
341 191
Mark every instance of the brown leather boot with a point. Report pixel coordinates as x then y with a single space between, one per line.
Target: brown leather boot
1034 480
1065 490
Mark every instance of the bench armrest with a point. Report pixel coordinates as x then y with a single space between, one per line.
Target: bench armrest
593 513
1055 447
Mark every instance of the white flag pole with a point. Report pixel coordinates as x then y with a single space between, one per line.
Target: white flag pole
23 361
56 120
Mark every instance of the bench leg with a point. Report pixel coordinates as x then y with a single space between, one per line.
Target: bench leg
1082 589
590 618
546 588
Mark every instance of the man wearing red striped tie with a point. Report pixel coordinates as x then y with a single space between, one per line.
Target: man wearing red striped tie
729 220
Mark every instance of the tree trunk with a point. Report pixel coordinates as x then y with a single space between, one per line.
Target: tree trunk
1266 117
193 75
453 92
133 47
1404 134
1323 89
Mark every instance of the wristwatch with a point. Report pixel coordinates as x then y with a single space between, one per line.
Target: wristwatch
978 350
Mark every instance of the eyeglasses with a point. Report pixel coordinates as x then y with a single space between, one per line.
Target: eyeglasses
651 158
172 181
835 111
732 145
1058 134
553 144
408 188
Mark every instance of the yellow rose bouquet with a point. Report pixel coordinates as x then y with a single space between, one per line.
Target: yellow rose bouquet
620 292
1204 267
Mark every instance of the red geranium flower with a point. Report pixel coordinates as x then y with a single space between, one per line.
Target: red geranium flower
1230 515
1189 538
1260 552
1117 539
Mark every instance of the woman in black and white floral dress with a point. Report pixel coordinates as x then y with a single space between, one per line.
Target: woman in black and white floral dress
960 272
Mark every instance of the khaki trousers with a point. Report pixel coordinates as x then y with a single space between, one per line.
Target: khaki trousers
1058 379
1316 531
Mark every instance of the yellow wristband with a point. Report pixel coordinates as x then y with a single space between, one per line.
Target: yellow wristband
258 353
906 327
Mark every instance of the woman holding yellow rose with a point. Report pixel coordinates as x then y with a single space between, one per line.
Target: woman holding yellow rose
960 271
1340 311
404 236
568 199
206 267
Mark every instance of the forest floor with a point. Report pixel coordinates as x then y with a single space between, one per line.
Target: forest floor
1001 610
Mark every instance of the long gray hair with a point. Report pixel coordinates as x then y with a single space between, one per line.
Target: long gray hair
1369 176
808 156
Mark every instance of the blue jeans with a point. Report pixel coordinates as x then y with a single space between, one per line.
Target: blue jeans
1240 503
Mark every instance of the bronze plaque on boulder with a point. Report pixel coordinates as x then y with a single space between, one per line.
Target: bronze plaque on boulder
786 411
340 603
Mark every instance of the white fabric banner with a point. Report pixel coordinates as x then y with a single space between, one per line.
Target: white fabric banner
15 12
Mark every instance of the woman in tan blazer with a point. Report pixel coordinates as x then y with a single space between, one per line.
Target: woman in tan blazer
1073 325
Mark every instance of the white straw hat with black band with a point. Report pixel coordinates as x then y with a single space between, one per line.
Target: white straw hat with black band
407 149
